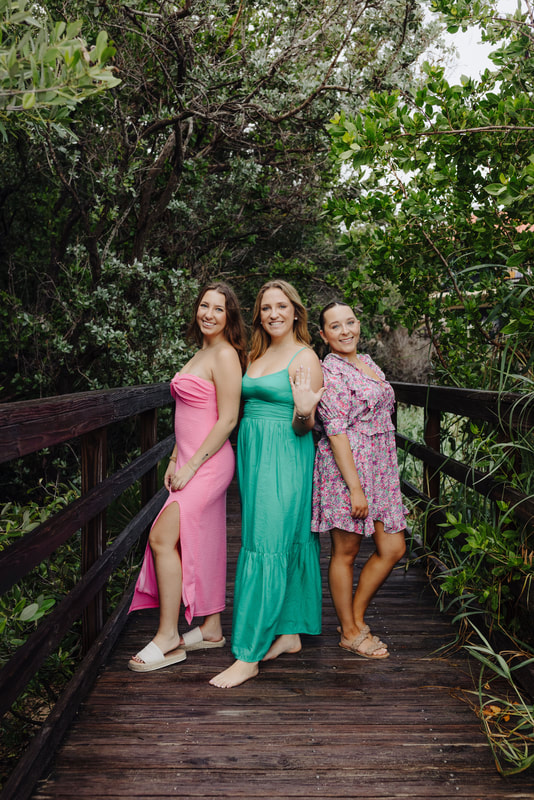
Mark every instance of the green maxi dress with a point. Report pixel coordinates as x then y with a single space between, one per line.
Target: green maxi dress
278 580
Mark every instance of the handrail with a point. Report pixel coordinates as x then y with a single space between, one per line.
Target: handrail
31 425
481 482
504 410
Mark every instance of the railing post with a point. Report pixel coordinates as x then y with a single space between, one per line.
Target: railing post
149 437
94 467
431 481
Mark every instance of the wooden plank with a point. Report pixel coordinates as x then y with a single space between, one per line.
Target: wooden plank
284 783
34 424
319 723
511 409
93 542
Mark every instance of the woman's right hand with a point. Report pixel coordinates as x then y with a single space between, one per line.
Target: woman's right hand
181 477
169 472
358 501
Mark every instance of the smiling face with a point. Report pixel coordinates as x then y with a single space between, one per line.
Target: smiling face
277 313
211 314
341 330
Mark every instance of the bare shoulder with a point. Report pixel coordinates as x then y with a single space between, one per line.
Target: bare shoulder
306 357
225 359
226 352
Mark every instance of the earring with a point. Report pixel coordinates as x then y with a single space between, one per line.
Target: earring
296 318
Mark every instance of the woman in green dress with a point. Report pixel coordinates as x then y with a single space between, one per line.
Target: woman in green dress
278 582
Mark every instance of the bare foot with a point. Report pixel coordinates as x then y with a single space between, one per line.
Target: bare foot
287 643
238 673
165 643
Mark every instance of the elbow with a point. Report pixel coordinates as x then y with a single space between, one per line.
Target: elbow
229 423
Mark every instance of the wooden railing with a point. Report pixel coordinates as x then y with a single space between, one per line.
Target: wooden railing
506 412
28 427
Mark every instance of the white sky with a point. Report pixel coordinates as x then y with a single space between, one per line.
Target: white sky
472 53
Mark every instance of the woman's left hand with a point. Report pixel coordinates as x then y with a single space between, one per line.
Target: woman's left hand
181 478
304 397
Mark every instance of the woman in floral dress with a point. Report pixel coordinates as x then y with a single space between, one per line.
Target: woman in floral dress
356 489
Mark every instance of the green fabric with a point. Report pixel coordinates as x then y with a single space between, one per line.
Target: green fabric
278 581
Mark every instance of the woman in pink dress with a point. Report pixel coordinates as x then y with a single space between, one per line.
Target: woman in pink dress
185 559
356 488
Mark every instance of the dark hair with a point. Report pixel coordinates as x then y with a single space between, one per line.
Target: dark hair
260 338
234 330
330 305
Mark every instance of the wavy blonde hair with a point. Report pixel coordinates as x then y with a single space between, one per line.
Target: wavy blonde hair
260 338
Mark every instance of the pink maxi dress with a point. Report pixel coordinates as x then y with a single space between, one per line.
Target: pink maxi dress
202 502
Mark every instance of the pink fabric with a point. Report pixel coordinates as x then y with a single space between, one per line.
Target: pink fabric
202 504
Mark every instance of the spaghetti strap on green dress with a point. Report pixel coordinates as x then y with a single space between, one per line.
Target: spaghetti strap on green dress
278 581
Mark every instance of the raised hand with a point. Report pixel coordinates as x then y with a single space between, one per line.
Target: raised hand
304 397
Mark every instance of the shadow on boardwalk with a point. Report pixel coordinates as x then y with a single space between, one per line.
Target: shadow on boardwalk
319 724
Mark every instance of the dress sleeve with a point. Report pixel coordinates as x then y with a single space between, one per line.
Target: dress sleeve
334 407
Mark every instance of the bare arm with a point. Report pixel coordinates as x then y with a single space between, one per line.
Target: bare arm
226 376
344 459
306 379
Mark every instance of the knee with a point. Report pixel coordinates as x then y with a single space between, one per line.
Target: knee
392 549
165 533
401 550
398 550
345 557
156 542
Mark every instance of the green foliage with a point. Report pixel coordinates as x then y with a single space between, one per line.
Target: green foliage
486 553
209 160
440 206
94 336
24 605
46 68
486 549
507 716
492 563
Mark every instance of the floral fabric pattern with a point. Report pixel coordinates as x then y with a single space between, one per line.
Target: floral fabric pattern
360 407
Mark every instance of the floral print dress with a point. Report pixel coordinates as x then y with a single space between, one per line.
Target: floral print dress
360 407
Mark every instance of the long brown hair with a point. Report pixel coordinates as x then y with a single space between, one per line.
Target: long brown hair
260 338
234 330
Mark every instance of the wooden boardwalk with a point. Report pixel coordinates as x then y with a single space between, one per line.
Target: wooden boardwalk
319 724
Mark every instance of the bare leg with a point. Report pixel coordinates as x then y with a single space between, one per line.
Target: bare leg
390 547
163 540
286 643
211 628
238 673
345 548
